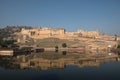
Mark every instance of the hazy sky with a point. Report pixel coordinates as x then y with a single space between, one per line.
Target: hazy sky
103 15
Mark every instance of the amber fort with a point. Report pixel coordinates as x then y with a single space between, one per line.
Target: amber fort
50 37
61 33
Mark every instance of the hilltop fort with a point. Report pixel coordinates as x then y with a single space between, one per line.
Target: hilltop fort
60 33
51 38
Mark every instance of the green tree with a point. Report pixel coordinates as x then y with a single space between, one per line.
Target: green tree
64 45
118 46
56 48
64 52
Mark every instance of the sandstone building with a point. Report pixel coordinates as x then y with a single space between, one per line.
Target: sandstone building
60 33
37 37
41 33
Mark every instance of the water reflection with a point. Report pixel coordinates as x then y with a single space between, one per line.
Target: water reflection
44 61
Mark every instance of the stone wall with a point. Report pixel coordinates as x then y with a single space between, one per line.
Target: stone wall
83 33
41 33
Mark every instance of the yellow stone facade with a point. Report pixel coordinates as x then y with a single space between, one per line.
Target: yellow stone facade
93 34
41 33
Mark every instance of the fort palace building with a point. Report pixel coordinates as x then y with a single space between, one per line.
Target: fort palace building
41 33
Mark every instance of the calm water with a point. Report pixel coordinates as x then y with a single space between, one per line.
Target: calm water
109 70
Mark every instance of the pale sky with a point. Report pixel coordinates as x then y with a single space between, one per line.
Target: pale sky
102 15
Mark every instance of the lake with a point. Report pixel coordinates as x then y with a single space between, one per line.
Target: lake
72 69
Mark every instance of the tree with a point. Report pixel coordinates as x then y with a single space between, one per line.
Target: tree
56 48
118 46
64 45
64 52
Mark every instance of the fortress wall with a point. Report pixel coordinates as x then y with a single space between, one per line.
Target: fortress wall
88 33
41 33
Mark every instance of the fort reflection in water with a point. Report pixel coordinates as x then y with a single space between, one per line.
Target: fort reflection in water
56 61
